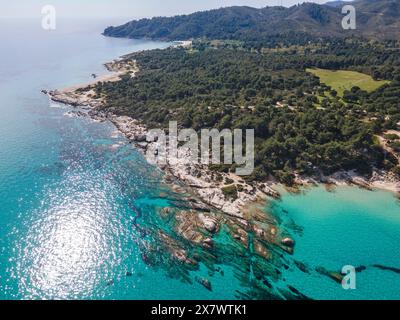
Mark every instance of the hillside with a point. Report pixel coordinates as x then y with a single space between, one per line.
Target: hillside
302 125
267 26
305 123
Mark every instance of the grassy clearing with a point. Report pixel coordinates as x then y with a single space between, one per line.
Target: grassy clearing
342 80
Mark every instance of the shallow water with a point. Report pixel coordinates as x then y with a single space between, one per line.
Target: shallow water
349 226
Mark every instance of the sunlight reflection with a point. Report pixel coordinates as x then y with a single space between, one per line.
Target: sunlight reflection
68 248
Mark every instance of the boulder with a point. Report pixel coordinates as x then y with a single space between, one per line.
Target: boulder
288 242
301 266
208 242
205 283
187 227
210 223
261 250
334 275
142 145
140 138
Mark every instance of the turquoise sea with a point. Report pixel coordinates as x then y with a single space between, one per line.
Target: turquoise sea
74 193
348 226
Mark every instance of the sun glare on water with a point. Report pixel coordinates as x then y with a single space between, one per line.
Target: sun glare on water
69 249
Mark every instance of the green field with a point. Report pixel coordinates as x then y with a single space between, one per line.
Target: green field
342 80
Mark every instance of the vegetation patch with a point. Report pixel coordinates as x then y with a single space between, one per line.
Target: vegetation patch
391 136
230 192
395 145
301 125
342 80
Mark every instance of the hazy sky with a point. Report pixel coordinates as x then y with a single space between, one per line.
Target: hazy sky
126 8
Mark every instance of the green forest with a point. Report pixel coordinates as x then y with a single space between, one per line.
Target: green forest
301 125
271 26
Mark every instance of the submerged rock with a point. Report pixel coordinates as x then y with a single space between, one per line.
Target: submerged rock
395 270
261 250
267 283
334 275
187 226
301 266
210 223
175 249
205 283
165 212
361 268
208 242
288 242
298 294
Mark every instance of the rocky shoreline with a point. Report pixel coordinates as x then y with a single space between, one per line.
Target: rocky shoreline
242 213
205 208
209 184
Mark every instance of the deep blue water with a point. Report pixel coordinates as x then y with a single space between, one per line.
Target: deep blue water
70 190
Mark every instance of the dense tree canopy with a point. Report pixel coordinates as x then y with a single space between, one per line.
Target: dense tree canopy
300 124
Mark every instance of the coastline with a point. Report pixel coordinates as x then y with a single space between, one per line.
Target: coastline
379 180
206 209
198 177
209 189
207 204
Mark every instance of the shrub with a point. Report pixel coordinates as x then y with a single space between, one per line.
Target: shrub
391 136
230 192
395 145
396 170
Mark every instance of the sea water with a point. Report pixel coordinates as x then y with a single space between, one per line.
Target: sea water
345 227
67 184
70 189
